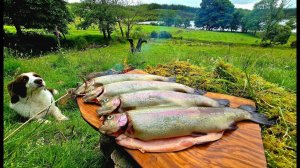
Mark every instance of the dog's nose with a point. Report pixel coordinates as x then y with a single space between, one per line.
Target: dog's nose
38 81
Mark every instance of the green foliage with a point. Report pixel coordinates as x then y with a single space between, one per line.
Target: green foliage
138 33
154 34
278 34
81 43
165 35
178 21
214 14
292 23
252 22
187 22
293 44
236 21
45 14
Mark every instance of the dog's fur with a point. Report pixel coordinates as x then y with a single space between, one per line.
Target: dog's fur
29 96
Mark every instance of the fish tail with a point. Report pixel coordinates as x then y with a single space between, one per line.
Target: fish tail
223 102
247 107
257 117
200 92
261 119
172 79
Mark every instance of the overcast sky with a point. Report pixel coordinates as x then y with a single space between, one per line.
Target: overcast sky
245 4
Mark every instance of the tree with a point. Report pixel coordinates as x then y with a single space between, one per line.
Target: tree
178 21
214 14
252 22
271 13
186 22
130 19
236 21
292 23
100 12
278 34
243 22
40 14
168 17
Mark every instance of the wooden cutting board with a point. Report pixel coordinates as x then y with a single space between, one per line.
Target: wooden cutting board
240 148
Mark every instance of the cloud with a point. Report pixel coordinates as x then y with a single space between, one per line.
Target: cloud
245 6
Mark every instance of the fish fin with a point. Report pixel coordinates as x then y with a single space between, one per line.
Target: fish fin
261 119
197 134
247 107
128 108
223 102
142 150
97 84
232 127
172 79
200 92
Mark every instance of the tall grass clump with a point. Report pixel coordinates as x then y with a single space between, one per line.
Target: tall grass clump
280 139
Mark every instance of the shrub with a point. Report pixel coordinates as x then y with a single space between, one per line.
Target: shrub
294 44
154 34
165 34
138 33
81 43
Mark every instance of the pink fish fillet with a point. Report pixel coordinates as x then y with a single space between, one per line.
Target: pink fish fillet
166 145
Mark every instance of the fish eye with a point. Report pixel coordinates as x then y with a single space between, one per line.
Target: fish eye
110 117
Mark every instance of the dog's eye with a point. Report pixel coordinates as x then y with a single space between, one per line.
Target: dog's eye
110 117
25 78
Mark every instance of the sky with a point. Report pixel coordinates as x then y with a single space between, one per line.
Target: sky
245 4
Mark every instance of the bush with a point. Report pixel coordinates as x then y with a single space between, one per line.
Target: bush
294 44
81 43
165 34
138 33
154 34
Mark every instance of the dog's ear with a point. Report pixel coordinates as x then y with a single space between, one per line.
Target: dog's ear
17 88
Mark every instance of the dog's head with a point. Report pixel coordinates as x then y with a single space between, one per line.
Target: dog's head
23 84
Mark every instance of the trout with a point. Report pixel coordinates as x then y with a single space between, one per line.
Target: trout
160 123
141 99
118 88
103 80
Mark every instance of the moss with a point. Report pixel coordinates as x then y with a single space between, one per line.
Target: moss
279 140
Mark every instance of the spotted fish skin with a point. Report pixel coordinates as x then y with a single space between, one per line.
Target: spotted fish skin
147 98
159 123
103 80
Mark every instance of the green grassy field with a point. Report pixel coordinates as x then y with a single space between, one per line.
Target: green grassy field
41 145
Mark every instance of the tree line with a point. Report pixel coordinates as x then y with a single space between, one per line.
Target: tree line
265 17
110 15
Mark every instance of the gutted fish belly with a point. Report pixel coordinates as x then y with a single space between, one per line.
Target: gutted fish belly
166 145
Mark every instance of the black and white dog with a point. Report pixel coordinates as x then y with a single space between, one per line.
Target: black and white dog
29 96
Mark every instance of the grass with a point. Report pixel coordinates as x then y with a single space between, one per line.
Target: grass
42 146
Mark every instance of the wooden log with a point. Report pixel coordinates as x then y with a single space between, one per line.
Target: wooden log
240 148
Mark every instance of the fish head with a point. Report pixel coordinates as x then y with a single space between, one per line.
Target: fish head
108 105
91 96
113 123
86 87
